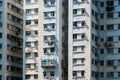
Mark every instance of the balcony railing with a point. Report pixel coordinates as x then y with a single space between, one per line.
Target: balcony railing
48 63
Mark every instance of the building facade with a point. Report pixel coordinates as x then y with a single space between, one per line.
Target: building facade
43 40
93 43
82 35
11 27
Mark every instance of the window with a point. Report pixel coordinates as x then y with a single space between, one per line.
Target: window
36 21
28 22
92 12
0 24
35 54
14 18
74 36
118 14
32 22
82 23
49 26
35 0
74 61
14 8
0 3
101 4
110 50
93 61
52 49
28 55
118 62
0 15
36 32
96 38
74 23
118 50
101 51
74 73
52 3
110 27
28 11
0 56
35 76
119 38
118 26
36 10
0 77
83 11
102 39
110 3
109 15
28 33
110 74
32 11
75 48
49 14
118 74
0 45
77 1
110 38
27 76
44 74
110 62
82 47
0 67
52 73
118 2
27 65
31 1
83 36
101 74
74 11
101 16
101 63
28 44
82 73
0 35
82 60
28 1
52 14
102 27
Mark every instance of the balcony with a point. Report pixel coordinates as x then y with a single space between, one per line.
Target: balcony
78 1
31 27
108 44
49 40
48 63
51 43
78 78
49 51
109 8
49 15
31 49
49 3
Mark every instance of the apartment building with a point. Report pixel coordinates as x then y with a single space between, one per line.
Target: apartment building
11 26
94 38
43 52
